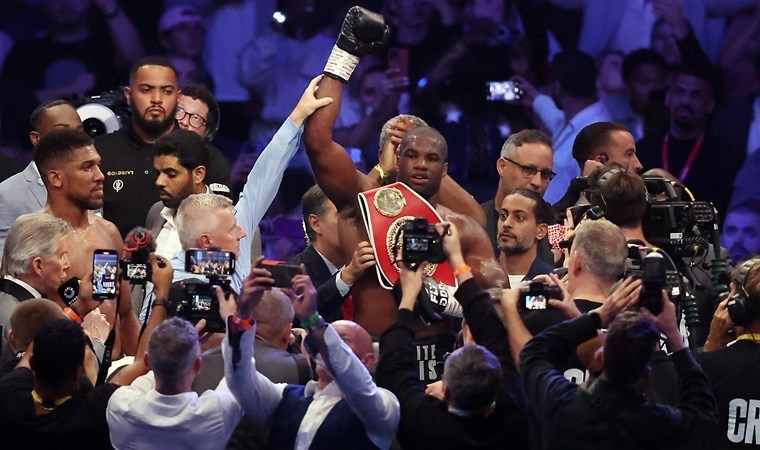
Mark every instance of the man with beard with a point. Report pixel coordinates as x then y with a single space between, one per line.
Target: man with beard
128 153
421 162
688 150
70 168
24 192
181 159
523 220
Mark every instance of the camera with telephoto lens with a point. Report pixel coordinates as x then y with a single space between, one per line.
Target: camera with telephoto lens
535 296
197 299
653 280
422 243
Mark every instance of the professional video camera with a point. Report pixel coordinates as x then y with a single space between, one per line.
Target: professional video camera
681 228
198 299
422 243
103 113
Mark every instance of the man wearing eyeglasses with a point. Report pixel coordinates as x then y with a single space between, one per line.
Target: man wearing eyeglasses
127 154
526 162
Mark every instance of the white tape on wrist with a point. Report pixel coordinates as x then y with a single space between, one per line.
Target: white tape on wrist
341 63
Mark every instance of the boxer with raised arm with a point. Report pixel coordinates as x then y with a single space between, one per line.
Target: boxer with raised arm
421 165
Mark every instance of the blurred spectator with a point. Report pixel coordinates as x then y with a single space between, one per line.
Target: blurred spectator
737 118
688 149
573 105
609 83
24 192
501 38
739 56
673 37
75 57
232 25
644 74
27 318
282 238
741 231
188 70
629 26
379 94
183 36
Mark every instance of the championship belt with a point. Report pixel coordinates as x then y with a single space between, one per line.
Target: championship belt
385 210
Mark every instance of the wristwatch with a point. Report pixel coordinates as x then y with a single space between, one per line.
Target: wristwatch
596 319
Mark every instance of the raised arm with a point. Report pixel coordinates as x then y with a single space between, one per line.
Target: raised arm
362 33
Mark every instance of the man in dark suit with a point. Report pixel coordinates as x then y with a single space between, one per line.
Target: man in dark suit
322 257
24 192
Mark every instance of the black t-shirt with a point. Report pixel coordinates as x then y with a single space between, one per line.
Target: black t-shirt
734 373
537 321
79 423
709 177
130 179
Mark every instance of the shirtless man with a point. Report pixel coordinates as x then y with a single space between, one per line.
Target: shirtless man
69 166
421 165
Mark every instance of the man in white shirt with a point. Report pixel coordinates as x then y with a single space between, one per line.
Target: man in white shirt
572 106
343 409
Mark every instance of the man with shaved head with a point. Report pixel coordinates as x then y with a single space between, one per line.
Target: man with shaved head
342 409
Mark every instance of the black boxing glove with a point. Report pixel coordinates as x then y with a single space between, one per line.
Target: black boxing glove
363 32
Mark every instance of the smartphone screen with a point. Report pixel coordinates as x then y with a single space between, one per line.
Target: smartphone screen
104 268
503 91
209 262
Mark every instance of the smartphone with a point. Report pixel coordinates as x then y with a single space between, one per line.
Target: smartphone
105 263
560 271
398 61
281 272
209 262
503 91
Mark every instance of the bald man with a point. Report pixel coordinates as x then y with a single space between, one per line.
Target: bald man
342 409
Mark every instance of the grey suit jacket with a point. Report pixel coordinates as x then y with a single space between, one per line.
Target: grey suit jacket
20 194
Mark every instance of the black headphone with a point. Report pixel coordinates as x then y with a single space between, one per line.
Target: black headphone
743 308
211 129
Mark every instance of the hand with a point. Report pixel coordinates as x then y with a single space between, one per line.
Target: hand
227 305
567 304
529 91
309 103
254 286
363 32
435 389
451 246
364 258
96 326
397 129
667 323
590 166
304 295
411 283
720 325
625 295
163 273
510 298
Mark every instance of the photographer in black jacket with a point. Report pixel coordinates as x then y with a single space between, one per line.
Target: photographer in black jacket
484 402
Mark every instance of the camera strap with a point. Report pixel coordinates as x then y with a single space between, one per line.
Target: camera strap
385 210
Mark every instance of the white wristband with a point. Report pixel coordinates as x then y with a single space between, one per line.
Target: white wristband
341 63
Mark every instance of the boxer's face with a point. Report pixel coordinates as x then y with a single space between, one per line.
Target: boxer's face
422 164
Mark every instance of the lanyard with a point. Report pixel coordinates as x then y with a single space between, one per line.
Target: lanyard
689 161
